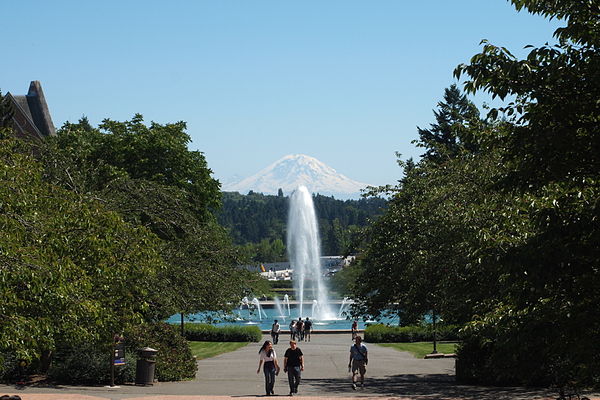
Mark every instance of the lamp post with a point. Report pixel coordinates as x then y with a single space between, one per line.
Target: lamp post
434 332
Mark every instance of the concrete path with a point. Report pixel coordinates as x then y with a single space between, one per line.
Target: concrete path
390 374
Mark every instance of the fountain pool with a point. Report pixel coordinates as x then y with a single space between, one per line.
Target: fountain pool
249 315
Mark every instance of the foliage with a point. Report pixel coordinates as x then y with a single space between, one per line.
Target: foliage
174 360
452 130
69 268
281 284
86 363
342 282
211 333
418 333
148 176
414 255
502 236
257 223
202 350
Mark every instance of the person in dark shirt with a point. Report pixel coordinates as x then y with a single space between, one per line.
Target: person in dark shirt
293 364
300 329
307 329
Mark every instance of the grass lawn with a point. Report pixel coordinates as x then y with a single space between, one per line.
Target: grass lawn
204 350
421 349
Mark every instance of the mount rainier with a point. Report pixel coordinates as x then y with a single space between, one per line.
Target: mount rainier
294 170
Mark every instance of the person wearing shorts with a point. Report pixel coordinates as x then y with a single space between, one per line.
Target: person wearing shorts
358 361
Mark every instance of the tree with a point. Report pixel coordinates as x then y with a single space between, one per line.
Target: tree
452 128
418 245
547 253
148 176
70 270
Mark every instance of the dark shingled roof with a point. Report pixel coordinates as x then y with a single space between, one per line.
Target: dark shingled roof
31 114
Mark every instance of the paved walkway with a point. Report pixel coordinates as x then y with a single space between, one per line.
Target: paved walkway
390 374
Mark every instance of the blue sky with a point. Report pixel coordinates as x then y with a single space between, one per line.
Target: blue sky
346 81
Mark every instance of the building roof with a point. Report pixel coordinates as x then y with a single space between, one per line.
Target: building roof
31 116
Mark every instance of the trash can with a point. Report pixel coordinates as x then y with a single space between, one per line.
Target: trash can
144 369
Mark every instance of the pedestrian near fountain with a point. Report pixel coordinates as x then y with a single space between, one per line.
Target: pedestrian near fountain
358 361
293 364
300 329
275 329
267 355
354 330
293 329
307 329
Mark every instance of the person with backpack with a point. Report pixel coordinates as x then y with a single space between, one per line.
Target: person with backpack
275 329
358 361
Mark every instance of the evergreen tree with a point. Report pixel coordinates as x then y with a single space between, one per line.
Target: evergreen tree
451 130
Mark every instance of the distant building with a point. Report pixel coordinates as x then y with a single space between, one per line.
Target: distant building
283 271
30 115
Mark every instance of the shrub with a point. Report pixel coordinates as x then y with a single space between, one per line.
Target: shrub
210 333
174 360
90 363
87 363
397 334
11 369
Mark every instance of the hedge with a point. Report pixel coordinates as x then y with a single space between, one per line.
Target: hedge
210 333
398 334
89 363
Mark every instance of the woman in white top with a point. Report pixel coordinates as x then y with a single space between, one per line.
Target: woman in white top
271 368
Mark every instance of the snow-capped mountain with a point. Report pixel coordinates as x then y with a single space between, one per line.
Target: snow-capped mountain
294 170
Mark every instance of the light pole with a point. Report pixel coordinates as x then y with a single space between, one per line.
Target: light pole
434 332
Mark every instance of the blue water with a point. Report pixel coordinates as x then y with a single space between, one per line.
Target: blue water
250 316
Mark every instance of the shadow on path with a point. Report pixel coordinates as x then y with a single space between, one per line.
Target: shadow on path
425 387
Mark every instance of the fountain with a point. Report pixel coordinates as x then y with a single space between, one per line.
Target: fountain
259 308
303 245
286 298
279 309
344 302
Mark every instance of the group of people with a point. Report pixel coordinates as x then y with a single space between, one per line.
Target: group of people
293 359
300 329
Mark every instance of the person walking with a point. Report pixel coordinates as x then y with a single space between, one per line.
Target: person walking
300 330
275 329
358 361
307 329
354 329
268 356
293 364
293 329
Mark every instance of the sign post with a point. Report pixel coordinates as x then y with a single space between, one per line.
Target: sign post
117 357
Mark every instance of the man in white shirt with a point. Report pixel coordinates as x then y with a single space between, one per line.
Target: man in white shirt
275 329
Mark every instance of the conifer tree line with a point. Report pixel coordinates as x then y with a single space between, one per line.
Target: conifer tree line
497 226
257 223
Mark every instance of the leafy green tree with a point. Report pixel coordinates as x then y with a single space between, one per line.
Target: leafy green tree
420 243
148 176
70 270
547 250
